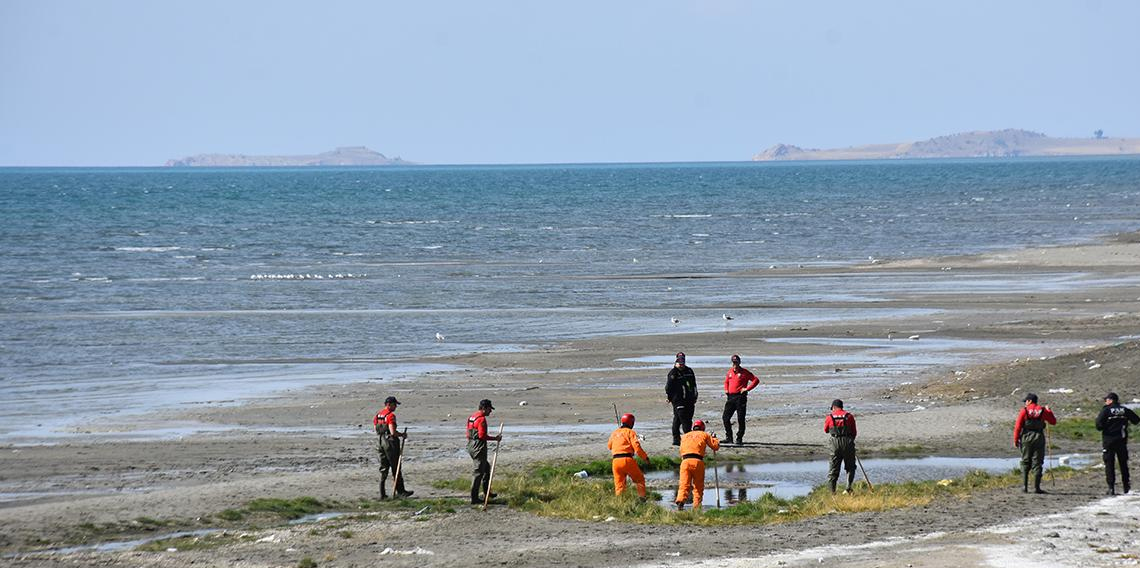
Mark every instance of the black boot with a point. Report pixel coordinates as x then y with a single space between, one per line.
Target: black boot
1025 481
1127 487
383 485
832 483
475 493
1037 485
1111 490
850 482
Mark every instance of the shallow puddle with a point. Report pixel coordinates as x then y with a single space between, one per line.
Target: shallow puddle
750 481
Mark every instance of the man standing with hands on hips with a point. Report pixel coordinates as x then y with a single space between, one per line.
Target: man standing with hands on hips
1113 423
737 382
681 390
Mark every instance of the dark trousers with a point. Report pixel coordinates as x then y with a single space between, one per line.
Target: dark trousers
736 404
1116 451
481 476
842 451
389 460
682 420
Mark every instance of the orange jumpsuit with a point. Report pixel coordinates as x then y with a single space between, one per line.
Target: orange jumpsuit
623 445
694 444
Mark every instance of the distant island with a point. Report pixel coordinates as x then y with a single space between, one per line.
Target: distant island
979 144
347 156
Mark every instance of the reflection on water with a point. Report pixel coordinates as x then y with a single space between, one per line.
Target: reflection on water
741 482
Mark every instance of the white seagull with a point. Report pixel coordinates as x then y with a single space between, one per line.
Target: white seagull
675 321
726 317
439 336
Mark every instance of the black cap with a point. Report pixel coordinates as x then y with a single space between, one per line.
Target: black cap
486 403
1031 398
735 358
837 403
1112 396
680 357
391 400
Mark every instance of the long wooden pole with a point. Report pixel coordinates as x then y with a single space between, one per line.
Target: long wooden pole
491 475
1049 459
616 419
716 478
399 463
864 470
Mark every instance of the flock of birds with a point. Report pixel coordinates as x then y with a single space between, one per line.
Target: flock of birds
337 276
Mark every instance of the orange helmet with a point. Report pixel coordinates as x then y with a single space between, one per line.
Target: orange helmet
627 420
698 425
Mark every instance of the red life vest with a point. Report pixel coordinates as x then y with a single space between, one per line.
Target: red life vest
380 421
1034 418
839 426
473 424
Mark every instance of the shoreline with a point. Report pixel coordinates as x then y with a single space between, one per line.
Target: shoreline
316 441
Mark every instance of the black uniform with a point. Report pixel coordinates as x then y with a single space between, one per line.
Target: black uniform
681 390
1113 423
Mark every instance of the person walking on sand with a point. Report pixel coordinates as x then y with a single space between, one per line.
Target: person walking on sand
737 382
1029 435
681 392
1113 423
841 425
477 438
623 445
389 447
693 446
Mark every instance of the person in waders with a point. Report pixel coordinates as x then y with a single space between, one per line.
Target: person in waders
681 392
693 446
737 382
1029 435
1113 423
477 438
841 425
624 446
389 447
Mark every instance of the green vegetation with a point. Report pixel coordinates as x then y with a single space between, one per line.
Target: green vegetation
231 515
554 491
205 542
1078 428
913 449
307 562
288 508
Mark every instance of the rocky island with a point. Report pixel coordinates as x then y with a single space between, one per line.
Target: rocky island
345 156
978 144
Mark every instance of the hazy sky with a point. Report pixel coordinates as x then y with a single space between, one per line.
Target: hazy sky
136 83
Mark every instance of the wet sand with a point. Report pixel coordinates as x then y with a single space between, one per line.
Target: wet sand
953 391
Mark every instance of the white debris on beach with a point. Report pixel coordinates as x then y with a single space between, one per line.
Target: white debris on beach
1060 391
416 550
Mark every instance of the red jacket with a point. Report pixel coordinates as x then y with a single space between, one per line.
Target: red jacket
477 426
848 419
1031 413
736 382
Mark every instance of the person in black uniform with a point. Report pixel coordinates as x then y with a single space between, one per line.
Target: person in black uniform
681 391
1113 423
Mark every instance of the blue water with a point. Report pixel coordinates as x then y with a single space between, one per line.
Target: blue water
123 287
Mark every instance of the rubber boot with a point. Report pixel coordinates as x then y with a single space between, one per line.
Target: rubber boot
383 485
475 493
832 483
1025 481
1037 485
850 482
1127 487
1111 490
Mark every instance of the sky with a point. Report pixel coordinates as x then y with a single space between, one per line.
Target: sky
114 83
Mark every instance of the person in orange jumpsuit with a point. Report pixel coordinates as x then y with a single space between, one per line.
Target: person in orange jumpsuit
693 446
624 445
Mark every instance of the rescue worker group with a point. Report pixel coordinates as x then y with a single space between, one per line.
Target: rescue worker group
1029 435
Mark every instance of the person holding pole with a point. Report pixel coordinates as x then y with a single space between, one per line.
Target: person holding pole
390 448
1113 423
477 438
1029 436
693 446
681 392
841 425
623 446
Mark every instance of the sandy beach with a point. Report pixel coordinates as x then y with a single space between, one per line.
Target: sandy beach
953 390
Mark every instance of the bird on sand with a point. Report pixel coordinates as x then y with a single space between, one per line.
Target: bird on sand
675 321
439 336
726 317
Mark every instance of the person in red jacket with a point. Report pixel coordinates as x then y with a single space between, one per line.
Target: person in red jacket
841 425
738 381
477 438
1029 435
390 447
